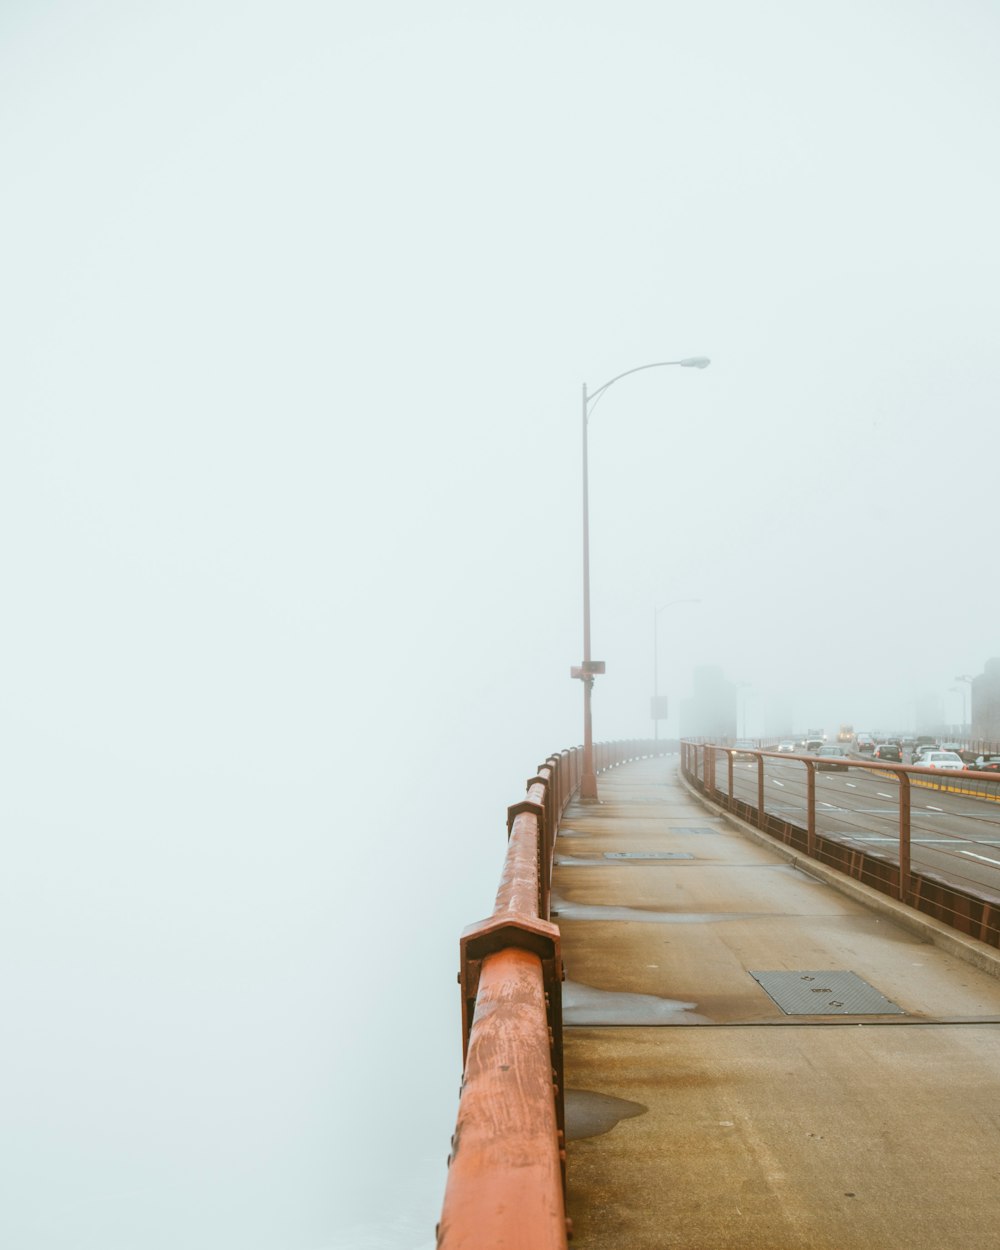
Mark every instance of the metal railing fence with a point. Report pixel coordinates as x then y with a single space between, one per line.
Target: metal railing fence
872 835
506 1169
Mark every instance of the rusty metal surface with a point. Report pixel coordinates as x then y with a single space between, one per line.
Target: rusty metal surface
506 1179
504 1183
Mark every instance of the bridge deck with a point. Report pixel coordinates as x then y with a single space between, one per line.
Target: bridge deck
699 1112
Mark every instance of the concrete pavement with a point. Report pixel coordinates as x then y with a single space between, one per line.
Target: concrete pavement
703 1113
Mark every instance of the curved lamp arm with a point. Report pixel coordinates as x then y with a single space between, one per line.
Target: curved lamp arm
689 362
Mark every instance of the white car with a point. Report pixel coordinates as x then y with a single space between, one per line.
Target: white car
942 759
787 746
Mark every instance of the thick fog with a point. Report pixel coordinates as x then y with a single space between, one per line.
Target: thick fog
297 303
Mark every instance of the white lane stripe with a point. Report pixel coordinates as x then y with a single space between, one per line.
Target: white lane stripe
934 809
876 837
779 783
984 858
885 796
852 785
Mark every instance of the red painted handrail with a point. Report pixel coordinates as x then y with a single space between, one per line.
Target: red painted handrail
506 1171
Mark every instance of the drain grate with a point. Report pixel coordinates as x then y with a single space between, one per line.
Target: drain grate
647 855
825 994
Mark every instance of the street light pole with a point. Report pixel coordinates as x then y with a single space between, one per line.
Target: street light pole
741 708
966 721
590 668
588 781
656 667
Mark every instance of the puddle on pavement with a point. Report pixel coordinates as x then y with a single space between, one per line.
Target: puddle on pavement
588 1114
563 910
583 1006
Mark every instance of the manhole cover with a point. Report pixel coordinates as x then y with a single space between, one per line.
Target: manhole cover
647 855
825 994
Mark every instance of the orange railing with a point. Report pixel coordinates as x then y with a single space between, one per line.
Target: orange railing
960 889
506 1170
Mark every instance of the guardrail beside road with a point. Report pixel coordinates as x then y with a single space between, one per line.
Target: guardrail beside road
942 858
506 1175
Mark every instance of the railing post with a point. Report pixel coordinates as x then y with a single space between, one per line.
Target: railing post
905 883
729 757
760 792
810 808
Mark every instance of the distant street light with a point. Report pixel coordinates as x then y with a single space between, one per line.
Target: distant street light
591 668
741 701
656 669
966 722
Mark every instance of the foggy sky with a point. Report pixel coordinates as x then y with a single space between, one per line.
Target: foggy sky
297 304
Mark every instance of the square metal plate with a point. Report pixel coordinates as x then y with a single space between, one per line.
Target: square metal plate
825 994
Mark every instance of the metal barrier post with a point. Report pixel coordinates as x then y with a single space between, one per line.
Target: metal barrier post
729 757
810 808
905 882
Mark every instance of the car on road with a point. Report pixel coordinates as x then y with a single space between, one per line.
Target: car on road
787 746
985 764
922 749
888 751
864 744
949 761
832 755
814 745
744 748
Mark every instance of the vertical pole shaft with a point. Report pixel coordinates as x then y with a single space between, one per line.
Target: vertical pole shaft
656 679
588 782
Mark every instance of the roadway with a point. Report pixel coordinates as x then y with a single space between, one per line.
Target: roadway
953 835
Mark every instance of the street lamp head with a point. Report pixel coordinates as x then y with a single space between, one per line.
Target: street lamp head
695 362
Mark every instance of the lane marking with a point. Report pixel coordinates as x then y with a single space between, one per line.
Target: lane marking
985 858
877 837
778 783
885 796
934 809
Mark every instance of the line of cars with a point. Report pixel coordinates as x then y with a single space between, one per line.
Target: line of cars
923 752
831 754
926 752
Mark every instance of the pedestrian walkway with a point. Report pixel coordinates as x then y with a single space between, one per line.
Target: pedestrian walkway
755 1059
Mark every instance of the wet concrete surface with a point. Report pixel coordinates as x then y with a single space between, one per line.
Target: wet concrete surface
589 1114
762 1129
582 1004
